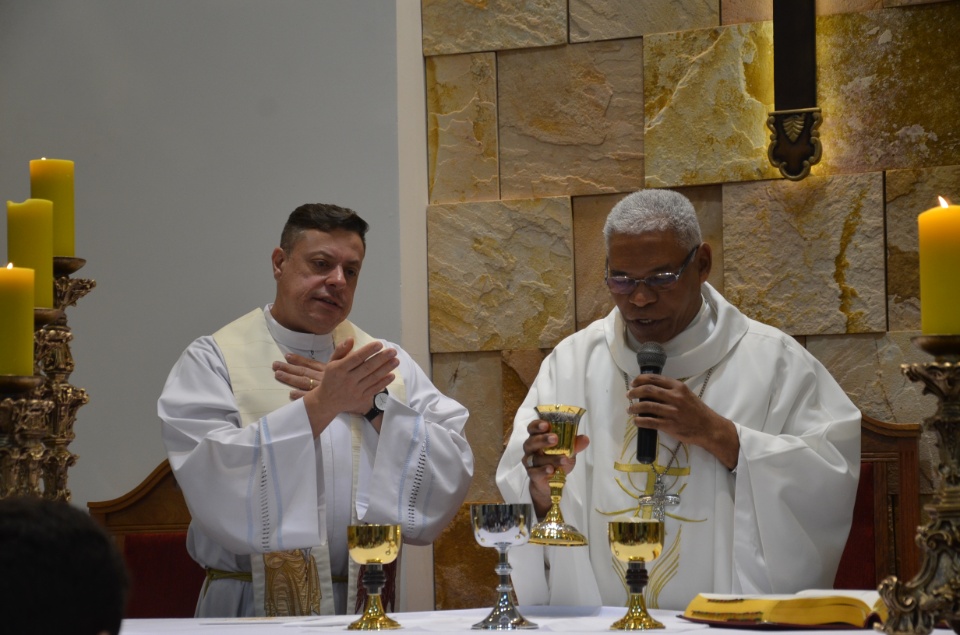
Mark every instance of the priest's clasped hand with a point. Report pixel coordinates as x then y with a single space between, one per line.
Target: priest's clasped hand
662 403
347 383
540 467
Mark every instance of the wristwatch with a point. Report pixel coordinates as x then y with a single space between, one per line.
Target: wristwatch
379 404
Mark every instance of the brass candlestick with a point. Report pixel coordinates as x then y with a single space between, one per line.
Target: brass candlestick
933 595
37 413
22 425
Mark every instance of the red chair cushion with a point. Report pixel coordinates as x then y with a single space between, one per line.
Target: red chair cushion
858 566
164 580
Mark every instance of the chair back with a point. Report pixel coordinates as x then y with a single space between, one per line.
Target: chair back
149 524
886 513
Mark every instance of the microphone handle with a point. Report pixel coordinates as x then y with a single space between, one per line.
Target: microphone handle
647 439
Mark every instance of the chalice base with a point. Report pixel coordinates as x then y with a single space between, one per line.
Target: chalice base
374 619
504 617
637 618
557 533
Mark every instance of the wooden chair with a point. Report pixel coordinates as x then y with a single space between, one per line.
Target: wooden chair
149 524
887 509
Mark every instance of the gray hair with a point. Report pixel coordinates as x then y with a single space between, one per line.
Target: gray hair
655 210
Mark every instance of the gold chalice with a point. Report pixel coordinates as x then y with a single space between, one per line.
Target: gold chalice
553 530
373 546
635 542
502 525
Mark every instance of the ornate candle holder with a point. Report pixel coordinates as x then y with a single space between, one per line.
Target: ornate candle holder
38 412
933 595
22 426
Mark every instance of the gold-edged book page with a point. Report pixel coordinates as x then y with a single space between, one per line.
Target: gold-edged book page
815 608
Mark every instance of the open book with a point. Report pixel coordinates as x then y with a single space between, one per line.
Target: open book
830 608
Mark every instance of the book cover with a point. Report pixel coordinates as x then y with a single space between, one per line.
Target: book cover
830 608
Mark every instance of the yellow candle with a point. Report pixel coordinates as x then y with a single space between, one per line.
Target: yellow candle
940 269
30 244
16 320
52 179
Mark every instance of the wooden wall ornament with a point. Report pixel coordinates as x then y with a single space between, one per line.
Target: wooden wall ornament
794 124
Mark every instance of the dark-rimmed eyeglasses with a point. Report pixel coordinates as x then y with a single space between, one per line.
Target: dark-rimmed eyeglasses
624 285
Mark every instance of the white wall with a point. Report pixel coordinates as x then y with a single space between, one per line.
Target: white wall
196 127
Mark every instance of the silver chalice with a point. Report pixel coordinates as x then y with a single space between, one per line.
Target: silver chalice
502 526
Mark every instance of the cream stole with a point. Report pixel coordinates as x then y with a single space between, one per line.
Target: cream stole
294 582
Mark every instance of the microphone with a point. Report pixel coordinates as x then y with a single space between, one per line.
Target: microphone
651 357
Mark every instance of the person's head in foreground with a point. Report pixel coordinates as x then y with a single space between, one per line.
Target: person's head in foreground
60 573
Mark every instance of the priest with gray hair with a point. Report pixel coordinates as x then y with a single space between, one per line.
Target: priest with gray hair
755 451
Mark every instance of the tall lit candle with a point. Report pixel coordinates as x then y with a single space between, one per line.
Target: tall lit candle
52 179
30 244
16 321
939 232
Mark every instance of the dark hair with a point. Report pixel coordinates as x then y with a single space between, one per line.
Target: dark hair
323 217
60 572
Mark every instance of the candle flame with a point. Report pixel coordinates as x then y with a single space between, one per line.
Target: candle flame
9 265
943 202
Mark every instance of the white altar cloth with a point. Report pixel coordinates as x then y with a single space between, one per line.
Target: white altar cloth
550 619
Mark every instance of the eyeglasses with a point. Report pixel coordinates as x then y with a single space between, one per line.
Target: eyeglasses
624 285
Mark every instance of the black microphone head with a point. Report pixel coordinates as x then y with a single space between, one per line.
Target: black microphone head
651 355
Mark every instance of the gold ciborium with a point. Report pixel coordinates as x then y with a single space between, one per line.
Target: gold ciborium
634 543
502 525
553 530
373 546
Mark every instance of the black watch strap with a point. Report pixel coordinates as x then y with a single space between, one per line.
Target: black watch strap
375 411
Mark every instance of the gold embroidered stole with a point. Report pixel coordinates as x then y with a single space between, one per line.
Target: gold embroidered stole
296 582
675 464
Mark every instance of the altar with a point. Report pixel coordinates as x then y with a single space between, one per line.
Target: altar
550 619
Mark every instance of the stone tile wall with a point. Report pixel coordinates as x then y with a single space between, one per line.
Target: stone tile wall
544 113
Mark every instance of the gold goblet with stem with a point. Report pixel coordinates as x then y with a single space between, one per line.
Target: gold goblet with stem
553 530
502 525
634 543
373 546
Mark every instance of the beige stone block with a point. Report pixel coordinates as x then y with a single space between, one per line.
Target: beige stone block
571 119
888 95
519 370
904 3
464 572
737 11
467 26
807 256
910 193
589 215
462 128
592 20
708 201
474 380
707 96
867 367
500 274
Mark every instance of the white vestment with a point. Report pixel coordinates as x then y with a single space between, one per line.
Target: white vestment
778 524
415 473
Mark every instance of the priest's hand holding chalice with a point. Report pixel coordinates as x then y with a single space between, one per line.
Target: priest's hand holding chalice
563 422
